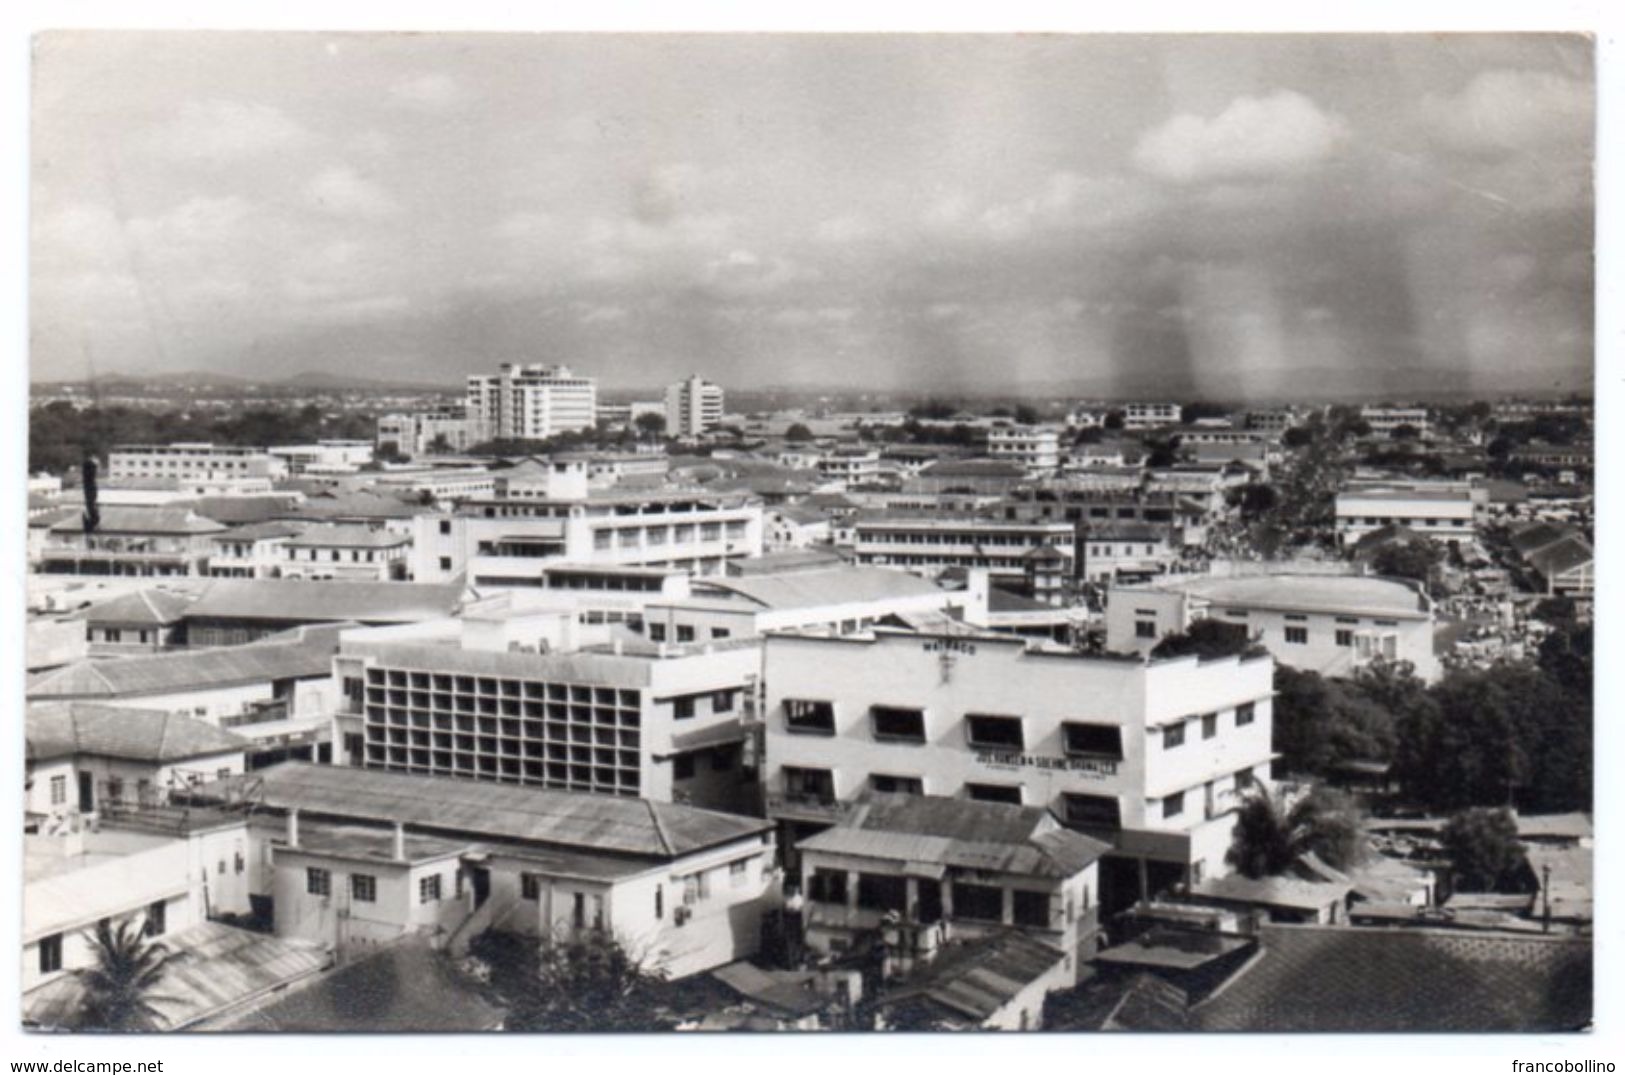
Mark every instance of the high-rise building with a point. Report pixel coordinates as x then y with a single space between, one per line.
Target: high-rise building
531 402
692 407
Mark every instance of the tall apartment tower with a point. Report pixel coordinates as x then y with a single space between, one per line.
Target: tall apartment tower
531 402
692 407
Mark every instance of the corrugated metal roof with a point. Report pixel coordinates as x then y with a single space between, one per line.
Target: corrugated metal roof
503 811
348 535
163 673
151 607
330 601
213 967
146 735
117 519
1272 891
812 588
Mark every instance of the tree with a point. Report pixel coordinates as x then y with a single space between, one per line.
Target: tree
440 445
934 409
1191 412
120 986
1114 419
1026 414
1320 723
650 425
1255 500
1296 437
1266 840
1484 850
798 433
1206 638
1405 432
1408 560
582 980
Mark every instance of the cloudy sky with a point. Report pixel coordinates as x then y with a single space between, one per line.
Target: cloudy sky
1227 215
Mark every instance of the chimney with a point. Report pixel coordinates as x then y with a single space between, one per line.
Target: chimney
293 827
400 842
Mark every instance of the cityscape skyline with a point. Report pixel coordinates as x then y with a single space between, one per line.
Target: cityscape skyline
1218 214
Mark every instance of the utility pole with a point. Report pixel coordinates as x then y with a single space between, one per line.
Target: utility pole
1546 897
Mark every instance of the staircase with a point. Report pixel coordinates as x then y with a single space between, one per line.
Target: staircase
484 917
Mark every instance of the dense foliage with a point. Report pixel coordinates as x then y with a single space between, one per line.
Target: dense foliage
1267 838
1484 850
120 986
576 981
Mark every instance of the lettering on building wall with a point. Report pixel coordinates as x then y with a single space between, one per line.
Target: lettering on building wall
1009 760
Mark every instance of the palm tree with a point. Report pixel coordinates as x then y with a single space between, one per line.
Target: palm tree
1268 839
118 987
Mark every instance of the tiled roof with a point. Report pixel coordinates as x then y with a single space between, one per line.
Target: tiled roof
165 673
1334 979
261 531
140 608
237 510
359 505
560 818
1561 555
146 735
326 601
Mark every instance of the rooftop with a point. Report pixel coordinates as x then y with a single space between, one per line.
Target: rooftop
831 586
449 804
59 730
1333 979
118 519
352 535
142 608
1320 593
330 601
974 979
309 657
1284 892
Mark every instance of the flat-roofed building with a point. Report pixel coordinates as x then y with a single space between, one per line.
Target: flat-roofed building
531 696
932 544
427 432
188 461
325 456
1036 447
1122 551
1148 755
512 542
693 407
989 477
850 466
357 858
1151 415
1330 624
530 402
1445 511
1385 421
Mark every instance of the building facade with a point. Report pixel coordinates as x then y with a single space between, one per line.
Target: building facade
531 402
189 461
693 407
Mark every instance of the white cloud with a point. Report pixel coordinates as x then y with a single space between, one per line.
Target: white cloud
1507 110
1254 137
436 92
343 191
222 131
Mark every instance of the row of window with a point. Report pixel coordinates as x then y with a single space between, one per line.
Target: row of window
633 537
889 892
806 785
513 688
1173 735
683 632
959 537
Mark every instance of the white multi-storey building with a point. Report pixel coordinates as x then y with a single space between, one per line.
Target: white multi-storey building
1444 510
851 466
1385 420
189 461
513 541
930 544
1148 755
531 402
426 432
1331 624
693 407
1151 415
325 456
531 696
1031 446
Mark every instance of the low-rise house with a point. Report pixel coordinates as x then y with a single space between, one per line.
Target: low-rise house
358 858
1561 558
130 541
1126 551
348 553
252 551
232 612
1281 899
922 871
995 982
795 527
86 758
144 621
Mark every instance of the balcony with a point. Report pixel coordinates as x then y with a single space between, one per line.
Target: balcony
804 807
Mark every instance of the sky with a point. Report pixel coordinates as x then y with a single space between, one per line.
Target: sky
1224 215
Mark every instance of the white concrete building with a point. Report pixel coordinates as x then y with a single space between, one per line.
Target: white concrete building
188 461
693 406
513 541
1446 511
353 859
256 551
325 456
850 466
531 402
531 696
1146 755
348 552
427 432
1385 420
1331 624
1151 415
931 544
1036 447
